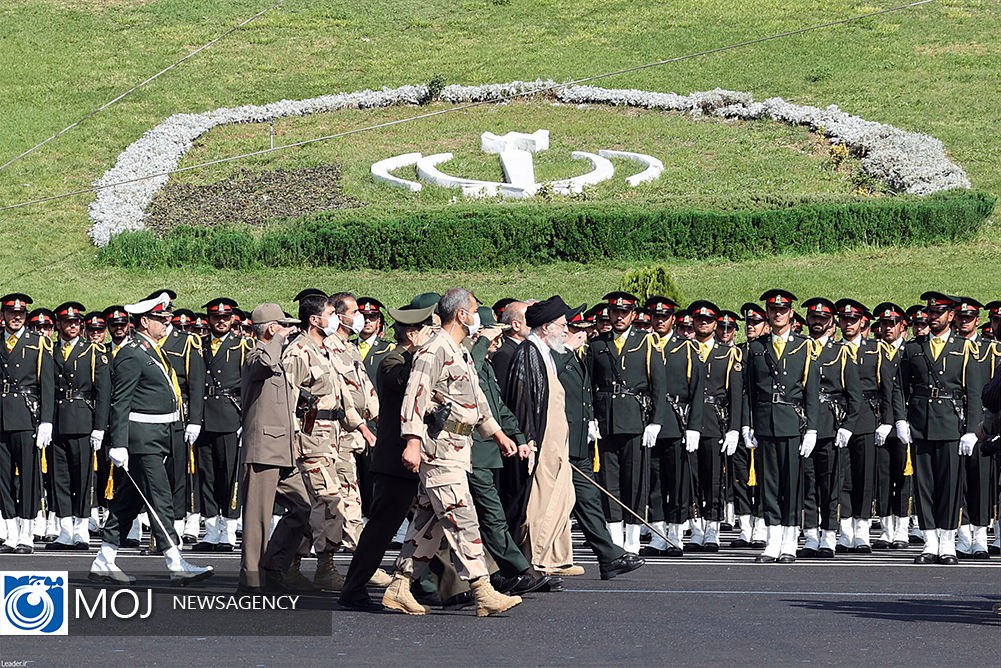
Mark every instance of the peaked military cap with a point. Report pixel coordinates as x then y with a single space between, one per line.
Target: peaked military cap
658 305
183 317
500 305
993 309
851 308
95 320
116 315
15 301
41 316
370 306
939 301
411 315
820 306
220 306
702 307
70 311
728 319
917 313
778 297
969 306
309 292
622 300
752 312
578 317
157 293
425 299
643 316
889 311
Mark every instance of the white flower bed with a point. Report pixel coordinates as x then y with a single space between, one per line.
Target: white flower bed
906 161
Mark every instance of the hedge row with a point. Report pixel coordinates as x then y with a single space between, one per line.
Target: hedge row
482 236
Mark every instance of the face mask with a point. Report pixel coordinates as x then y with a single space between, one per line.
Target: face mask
357 323
475 325
331 327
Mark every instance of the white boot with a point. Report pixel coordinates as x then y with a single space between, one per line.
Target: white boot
676 535
862 529
3 530
66 529
847 537
760 531
965 540
696 524
94 523
615 529
81 531
631 543
191 525
947 543
136 530
931 542
746 526
712 535
979 540
728 514
40 525
645 530
656 541
773 546
997 534
26 537
885 532
812 541
13 533
227 530
212 526
828 540
790 538
900 530
103 569
52 527
916 528
179 530
182 571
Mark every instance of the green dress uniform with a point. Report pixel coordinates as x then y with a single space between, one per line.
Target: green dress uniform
746 497
976 471
893 481
145 409
940 390
217 448
184 354
83 396
372 353
27 399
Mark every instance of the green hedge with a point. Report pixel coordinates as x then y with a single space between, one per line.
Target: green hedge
478 236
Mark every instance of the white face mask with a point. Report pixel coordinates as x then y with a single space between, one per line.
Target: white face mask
331 327
475 325
357 323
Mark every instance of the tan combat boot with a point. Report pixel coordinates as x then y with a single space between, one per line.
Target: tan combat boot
380 578
327 578
294 579
398 596
488 600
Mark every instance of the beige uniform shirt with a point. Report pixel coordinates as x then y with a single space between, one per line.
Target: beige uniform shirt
347 363
309 367
444 373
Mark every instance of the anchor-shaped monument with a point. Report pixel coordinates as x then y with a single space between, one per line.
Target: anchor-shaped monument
514 150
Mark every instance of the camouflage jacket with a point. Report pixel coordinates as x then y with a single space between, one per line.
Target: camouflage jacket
347 363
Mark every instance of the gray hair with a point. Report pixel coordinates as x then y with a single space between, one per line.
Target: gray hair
514 312
451 302
261 328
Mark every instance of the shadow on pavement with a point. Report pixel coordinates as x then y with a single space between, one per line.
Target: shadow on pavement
972 611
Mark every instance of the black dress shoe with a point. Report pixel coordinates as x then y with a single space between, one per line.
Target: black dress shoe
694 547
764 559
154 551
862 549
502 584
46 539
189 540
825 553
739 544
526 583
458 602
623 564
80 545
710 547
880 544
925 558
58 546
726 526
963 555
758 544
899 545
947 560
555 584
223 547
915 540
650 552
842 549
360 604
130 542
786 558
806 553
673 552
203 547
993 549
980 554
6 549
24 549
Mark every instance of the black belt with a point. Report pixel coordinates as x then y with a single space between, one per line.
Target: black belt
331 414
780 398
676 399
934 393
75 395
718 401
839 398
870 394
222 392
622 389
9 388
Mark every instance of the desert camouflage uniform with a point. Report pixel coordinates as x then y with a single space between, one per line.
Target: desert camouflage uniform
310 368
443 373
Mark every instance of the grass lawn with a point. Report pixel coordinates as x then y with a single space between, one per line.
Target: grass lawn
932 69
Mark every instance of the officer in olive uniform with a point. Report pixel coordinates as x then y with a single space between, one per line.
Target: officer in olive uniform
83 396
117 320
372 348
630 406
840 404
918 317
27 408
783 387
184 352
217 448
991 354
939 386
723 400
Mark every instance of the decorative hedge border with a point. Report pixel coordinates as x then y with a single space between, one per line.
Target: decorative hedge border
477 237
907 161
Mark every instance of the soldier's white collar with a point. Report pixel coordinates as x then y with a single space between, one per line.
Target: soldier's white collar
617 335
823 340
899 343
72 342
856 342
710 342
16 334
371 340
787 337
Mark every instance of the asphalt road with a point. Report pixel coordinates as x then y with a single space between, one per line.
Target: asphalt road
699 610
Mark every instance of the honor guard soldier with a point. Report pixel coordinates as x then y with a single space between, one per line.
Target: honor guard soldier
726 331
642 321
371 346
893 459
42 321
723 399
118 322
685 324
145 405
991 355
83 398
726 328
940 385
218 443
199 326
840 404
630 406
917 315
976 468
859 466
26 414
783 386
185 355
96 327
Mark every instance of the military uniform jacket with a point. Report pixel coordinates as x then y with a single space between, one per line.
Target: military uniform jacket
486 454
774 399
576 382
839 380
618 377
443 373
888 372
27 396
876 390
347 363
724 390
684 386
933 409
501 359
374 356
990 357
83 388
184 353
141 385
310 367
390 382
222 383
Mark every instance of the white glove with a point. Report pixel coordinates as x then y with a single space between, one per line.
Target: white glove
904 432
730 439
650 435
749 441
592 431
239 437
96 438
44 435
692 440
120 457
191 433
809 443
966 444
882 431
841 440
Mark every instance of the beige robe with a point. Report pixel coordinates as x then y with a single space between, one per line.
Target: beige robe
546 537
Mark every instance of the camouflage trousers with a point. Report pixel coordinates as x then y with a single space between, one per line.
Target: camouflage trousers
346 470
444 509
326 511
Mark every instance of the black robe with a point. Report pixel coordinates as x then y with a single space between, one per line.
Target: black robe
526 393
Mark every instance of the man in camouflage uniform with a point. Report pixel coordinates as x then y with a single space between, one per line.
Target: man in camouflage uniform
442 405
